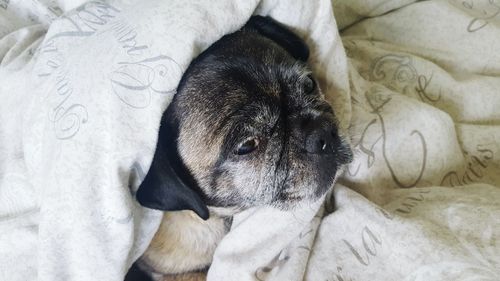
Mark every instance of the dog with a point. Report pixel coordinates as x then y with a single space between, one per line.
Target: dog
248 127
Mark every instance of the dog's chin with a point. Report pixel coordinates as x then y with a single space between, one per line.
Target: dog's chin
292 202
299 200
296 198
306 196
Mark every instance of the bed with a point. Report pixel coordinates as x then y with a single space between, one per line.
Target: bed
416 85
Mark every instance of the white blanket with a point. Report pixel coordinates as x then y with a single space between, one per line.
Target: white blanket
425 89
82 94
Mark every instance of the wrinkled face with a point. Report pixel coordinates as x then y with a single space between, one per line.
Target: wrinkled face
254 128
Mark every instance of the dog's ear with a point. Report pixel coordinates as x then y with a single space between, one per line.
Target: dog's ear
273 30
164 187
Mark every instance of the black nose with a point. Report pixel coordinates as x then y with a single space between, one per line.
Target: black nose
321 137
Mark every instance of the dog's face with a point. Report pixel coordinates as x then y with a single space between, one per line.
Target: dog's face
247 127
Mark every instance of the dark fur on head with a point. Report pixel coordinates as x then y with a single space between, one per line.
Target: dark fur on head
247 127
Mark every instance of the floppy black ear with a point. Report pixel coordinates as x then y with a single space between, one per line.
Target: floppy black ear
273 30
163 188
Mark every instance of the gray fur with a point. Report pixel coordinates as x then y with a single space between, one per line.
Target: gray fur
252 83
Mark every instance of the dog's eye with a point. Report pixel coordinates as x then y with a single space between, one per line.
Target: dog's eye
247 146
309 84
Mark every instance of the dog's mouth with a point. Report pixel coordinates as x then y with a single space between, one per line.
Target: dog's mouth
291 199
293 195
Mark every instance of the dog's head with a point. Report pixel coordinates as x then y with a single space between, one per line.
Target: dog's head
247 127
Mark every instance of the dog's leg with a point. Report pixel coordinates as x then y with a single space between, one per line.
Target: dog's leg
183 243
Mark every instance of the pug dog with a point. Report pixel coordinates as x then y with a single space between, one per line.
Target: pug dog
248 127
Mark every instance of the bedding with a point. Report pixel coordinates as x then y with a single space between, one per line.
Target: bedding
416 85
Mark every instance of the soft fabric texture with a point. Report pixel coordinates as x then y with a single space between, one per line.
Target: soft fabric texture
417 86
